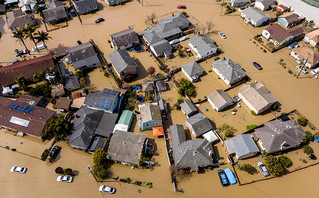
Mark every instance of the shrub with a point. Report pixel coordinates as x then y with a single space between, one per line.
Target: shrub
139 191
308 136
228 130
302 121
290 71
68 171
45 154
307 149
108 41
253 112
274 166
229 133
106 74
285 161
99 171
13 149
180 101
59 170
251 127
184 13
186 87
316 134
79 42
247 168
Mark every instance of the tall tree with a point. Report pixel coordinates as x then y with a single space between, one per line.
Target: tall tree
42 37
20 36
28 31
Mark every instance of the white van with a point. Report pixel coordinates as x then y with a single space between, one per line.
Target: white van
40 47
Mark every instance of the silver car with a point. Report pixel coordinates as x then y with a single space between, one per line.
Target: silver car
107 189
67 179
263 169
222 35
18 169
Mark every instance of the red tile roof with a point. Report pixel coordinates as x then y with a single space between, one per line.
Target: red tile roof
37 119
28 68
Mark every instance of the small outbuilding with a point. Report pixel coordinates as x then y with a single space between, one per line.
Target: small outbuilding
219 100
242 146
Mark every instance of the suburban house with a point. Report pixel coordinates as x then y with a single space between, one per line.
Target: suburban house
281 36
16 19
71 83
126 147
306 55
115 2
27 5
161 85
282 8
264 4
220 100
257 97
123 64
254 16
242 146
312 38
198 124
57 91
238 3
192 71
230 72
124 39
125 121
168 28
55 12
188 108
63 104
82 56
161 48
290 19
108 100
24 115
88 124
203 45
190 154
85 6
150 116
276 136
28 68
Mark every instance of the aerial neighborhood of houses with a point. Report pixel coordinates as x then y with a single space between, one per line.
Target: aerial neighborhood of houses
170 92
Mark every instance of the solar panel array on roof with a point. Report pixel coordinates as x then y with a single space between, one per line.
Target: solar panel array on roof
26 109
105 103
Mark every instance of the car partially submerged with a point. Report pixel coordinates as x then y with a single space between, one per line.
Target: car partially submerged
263 169
55 151
18 169
181 7
107 189
67 179
223 178
21 52
99 20
302 69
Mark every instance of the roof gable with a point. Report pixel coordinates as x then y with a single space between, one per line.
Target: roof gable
229 70
193 68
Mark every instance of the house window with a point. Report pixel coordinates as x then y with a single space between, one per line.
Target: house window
156 123
147 125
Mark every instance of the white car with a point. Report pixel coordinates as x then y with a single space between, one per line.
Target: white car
222 35
302 69
315 71
67 179
18 169
107 189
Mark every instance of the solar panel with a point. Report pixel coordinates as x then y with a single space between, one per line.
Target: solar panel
20 108
31 109
17 107
12 106
26 109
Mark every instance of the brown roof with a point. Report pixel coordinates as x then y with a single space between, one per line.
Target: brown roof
279 33
77 95
63 103
30 99
314 35
306 53
37 118
28 68
290 17
78 102
57 90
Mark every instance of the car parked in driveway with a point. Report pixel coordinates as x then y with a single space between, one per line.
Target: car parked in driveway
21 52
302 69
293 45
18 169
263 169
223 178
315 71
67 179
183 38
257 66
181 7
55 151
222 35
99 20
173 42
107 189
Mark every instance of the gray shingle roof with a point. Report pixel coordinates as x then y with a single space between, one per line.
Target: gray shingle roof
254 14
87 124
200 124
203 43
192 153
241 145
83 55
151 37
193 69
86 5
54 14
71 83
189 108
161 85
229 70
17 19
219 98
121 59
276 132
162 46
126 147
125 37
266 3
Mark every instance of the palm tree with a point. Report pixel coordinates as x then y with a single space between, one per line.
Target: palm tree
42 37
20 36
28 31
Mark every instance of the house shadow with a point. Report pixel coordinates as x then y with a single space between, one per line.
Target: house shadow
216 154
100 6
2 23
153 150
141 71
38 21
60 49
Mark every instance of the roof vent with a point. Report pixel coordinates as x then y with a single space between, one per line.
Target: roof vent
31 102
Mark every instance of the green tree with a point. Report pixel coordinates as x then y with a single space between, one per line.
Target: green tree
285 161
57 127
22 82
20 36
307 149
307 137
228 130
186 87
247 168
302 121
99 157
42 37
274 166
39 9
45 154
28 31
79 74
41 90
